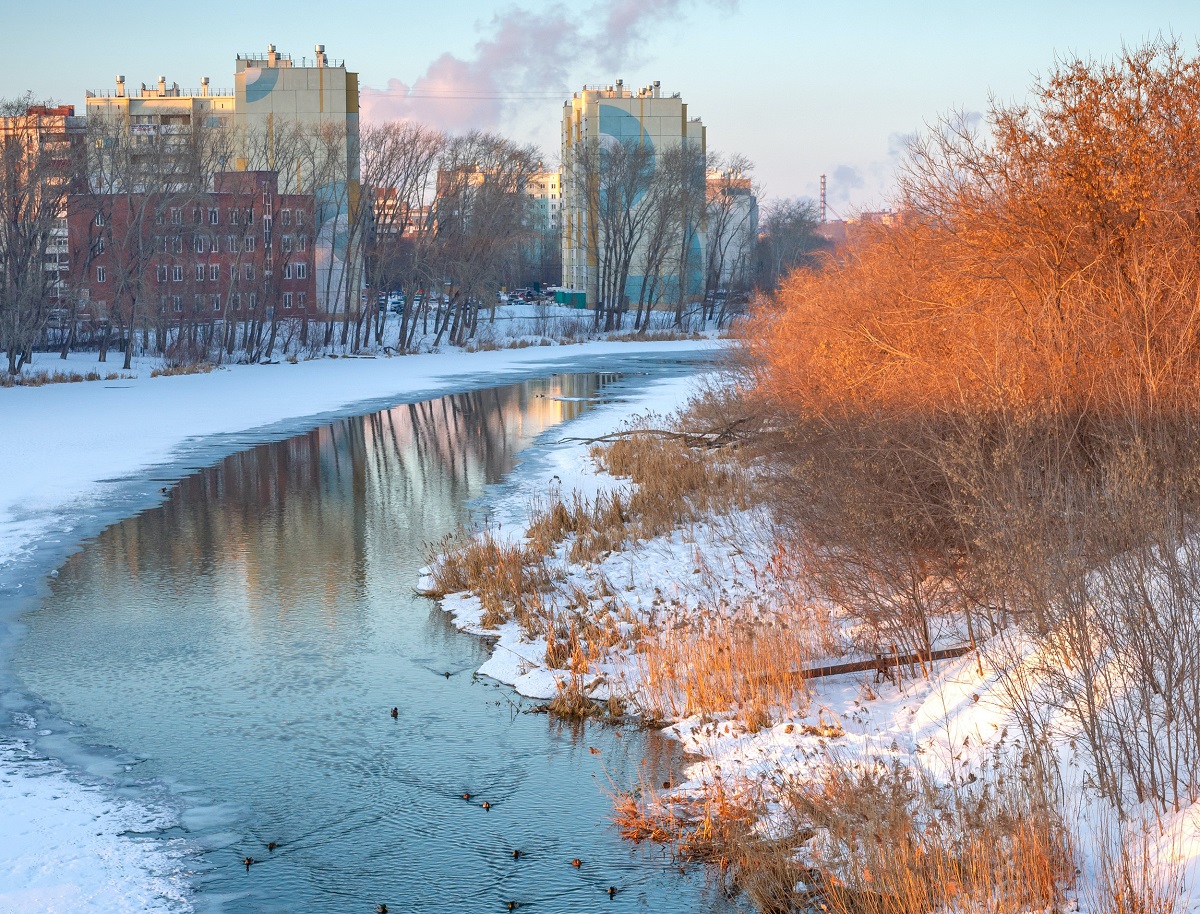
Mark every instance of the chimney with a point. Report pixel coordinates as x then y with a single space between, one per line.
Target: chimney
272 57
204 86
657 86
162 85
120 86
320 49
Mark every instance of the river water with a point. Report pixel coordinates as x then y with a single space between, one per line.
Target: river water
235 652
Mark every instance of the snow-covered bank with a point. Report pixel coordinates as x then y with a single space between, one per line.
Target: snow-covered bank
77 457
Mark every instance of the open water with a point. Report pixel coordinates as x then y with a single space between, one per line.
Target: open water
236 650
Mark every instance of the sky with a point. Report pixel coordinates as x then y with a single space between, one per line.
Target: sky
800 88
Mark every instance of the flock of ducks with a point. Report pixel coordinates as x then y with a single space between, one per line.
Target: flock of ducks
382 908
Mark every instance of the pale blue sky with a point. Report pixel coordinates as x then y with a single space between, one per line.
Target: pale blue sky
801 88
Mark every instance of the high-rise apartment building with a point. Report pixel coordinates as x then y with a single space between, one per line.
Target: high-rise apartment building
593 119
297 118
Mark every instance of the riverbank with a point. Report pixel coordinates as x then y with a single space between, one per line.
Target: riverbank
80 456
700 628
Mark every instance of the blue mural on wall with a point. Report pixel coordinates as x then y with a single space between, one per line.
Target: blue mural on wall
260 81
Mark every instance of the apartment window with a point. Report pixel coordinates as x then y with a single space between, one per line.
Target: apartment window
249 241
286 217
176 216
201 244
287 299
299 217
197 303
214 216
100 245
300 299
176 273
302 271
160 244
233 272
100 274
177 302
177 245
99 218
214 271
216 302
235 301
249 271
253 300
231 243
249 216
301 243
197 216
287 271
199 272
286 241
233 216
162 304
162 272
160 217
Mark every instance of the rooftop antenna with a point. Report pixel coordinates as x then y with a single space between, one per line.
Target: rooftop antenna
822 199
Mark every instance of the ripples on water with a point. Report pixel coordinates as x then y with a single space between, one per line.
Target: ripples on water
246 639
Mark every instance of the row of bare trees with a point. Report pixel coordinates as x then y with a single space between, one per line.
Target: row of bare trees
986 417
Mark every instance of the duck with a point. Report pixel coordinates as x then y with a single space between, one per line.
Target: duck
516 855
612 890
247 862
486 805
466 796
271 845
395 712
577 863
381 908
513 905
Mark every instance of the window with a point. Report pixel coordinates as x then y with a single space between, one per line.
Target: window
285 217
214 271
177 302
253 301
160 244
177 245
162 272
100 275
176 273
201 244
162 304
249 271
287 271
199 272
176 216
249 242
302 271
249 216
235 301
299 217
287 299
300 299
233 215
99 218
286 242
100 245
197 303
216 302
231 244
160 217
214 216
301 244
197 216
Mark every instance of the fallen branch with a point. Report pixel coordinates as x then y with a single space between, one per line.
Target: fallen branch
717 437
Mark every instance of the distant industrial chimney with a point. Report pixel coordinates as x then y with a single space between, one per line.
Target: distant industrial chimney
822 199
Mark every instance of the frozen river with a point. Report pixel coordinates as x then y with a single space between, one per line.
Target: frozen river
233 653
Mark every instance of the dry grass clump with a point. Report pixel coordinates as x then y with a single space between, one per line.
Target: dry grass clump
747 663
889 841
508 579
171 370
41 378
1138 870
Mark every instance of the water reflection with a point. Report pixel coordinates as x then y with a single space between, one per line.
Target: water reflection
247 638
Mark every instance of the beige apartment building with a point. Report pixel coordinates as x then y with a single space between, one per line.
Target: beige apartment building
298 118
617 113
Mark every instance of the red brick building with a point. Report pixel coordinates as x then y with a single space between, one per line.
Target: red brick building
241 252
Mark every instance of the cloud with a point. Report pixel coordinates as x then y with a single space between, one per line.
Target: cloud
526 54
